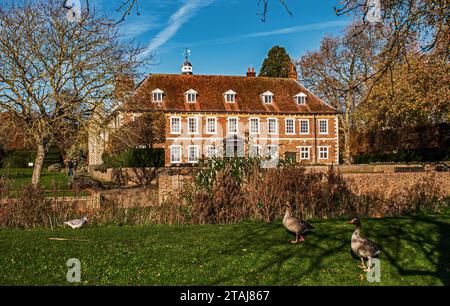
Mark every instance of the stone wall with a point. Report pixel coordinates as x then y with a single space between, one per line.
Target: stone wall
168 180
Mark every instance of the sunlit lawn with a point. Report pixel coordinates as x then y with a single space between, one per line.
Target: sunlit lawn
50 181
416 251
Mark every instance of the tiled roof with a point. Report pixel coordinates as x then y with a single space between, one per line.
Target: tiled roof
211 89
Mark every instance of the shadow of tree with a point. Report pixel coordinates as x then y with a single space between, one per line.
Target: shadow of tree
417 246
427 236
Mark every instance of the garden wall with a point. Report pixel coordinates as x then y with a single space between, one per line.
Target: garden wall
363 179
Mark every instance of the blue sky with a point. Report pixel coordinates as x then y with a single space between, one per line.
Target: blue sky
225 36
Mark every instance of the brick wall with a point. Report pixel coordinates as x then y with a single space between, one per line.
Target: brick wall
286 142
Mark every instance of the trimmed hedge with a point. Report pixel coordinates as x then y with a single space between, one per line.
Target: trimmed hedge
21 158
145 157
404 155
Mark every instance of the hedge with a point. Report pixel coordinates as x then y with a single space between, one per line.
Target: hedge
145 157
21 158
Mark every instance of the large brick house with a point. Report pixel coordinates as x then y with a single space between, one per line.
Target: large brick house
208 115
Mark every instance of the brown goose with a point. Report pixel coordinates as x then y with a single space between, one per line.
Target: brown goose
295 225
362 247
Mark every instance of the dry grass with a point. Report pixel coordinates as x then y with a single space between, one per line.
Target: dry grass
262 193
258 194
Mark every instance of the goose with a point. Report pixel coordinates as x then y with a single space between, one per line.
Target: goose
295 225
76 223
362 247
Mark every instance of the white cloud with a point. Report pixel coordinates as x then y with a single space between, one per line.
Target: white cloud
282 31
138 26
180 17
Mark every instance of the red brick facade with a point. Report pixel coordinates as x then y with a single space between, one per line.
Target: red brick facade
182 97
293 144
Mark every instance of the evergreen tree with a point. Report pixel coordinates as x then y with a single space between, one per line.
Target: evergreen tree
277 63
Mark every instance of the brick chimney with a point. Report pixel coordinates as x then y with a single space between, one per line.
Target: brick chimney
293 71
124 86
251 72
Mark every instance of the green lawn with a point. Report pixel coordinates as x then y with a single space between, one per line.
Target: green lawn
59 181
416 251
22 176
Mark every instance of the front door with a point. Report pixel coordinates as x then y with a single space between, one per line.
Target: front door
233 146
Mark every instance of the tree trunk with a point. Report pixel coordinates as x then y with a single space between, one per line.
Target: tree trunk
346 128
38 164
347 147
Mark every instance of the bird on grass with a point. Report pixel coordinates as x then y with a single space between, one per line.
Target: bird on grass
76 223
362 247
295 225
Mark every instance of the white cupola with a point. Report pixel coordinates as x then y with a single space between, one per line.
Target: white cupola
187 66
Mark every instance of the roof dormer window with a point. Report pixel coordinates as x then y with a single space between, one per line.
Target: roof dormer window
267 97
230 96
191 96
157 95
300 98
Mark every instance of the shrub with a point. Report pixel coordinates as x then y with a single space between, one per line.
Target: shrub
135 158
21 158
239 189
18 159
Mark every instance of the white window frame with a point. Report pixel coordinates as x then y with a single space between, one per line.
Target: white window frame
307 125
228 125
268 126
300 98
308 153
326 126
254 119
267 95
188 95
171 125
286 126
254 153
327 151
189 127
179 154
189 153
207 125
157 93
229 94
277 151
214 151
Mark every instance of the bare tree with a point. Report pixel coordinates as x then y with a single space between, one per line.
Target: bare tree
403 24
125 8
336 73
55 74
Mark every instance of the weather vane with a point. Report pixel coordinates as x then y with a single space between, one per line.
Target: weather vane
186 53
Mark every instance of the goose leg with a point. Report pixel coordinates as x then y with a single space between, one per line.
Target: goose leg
369 264
363 266
296 239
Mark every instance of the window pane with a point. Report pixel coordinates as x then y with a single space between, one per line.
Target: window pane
254 126
304 153
192 125
175 125
304 126
175 154
273 126
323 126
232 125
210 151
211 125
290 126
192 154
